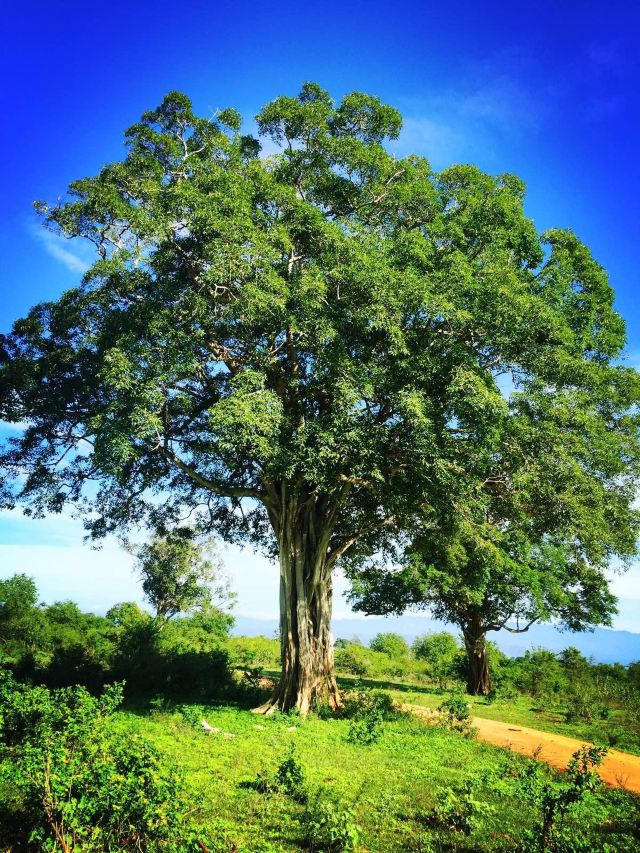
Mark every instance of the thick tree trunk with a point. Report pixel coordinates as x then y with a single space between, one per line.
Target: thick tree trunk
306 642
478 678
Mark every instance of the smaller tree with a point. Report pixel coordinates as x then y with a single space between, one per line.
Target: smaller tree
390 644
484 578
180 575
22 624
441 651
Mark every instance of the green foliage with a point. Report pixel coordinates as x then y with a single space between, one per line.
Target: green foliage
364 702
323 334
365 730
456 707
290 776
454 715
22 625
329 825
459 809
389 788
390 644
179 574
367 710
441 653
354 659
253 651
554 799
76 781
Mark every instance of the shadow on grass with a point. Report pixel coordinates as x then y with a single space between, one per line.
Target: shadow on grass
348 681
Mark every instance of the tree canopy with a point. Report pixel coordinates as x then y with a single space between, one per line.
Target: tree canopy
305 351
180 575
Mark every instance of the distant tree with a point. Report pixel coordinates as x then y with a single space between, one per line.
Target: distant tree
22 623
390 644
633 673
483 578
441 651
574 662
126 613
305 351
180 575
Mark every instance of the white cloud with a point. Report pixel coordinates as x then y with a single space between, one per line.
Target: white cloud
75 256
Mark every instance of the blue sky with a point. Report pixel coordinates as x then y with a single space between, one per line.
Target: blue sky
546 90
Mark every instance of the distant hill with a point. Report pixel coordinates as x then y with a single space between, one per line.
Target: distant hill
603 644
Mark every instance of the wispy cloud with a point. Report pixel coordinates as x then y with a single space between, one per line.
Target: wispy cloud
75 256
472 120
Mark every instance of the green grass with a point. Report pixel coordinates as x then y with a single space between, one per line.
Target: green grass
390 785
524 711
521 710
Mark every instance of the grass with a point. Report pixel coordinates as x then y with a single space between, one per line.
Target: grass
391 785
524 711
520 710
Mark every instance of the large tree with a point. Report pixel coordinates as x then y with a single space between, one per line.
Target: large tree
298 350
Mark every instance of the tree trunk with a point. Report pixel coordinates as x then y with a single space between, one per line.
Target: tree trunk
478 678
306 591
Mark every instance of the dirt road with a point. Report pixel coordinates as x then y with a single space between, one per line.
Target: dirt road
619 769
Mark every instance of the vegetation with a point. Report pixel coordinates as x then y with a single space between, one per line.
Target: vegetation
78 771
69 780
341 358
179 575
416 788
307 351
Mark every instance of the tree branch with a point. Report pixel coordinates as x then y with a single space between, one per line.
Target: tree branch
218 487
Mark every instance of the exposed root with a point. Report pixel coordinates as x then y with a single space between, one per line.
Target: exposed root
267 709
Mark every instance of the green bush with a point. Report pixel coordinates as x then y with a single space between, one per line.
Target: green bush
290 777
354 660
365 731
77 782
253 651
442 654
364 702
454 715
554 799
367 710
329 826
458 809
392 645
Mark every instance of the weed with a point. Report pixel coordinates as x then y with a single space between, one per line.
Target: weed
328 825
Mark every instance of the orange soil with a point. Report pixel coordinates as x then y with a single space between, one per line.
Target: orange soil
620 769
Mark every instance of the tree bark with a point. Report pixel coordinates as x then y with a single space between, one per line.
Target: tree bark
478 677
306 592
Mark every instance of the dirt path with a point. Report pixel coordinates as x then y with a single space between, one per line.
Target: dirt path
620 769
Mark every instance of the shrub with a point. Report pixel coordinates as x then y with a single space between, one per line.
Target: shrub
554 798
365 731
354 660
458 809
328 825
324 711
254 651
364 702
368 709
441 653
454 715
390 644
77 782
290 777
